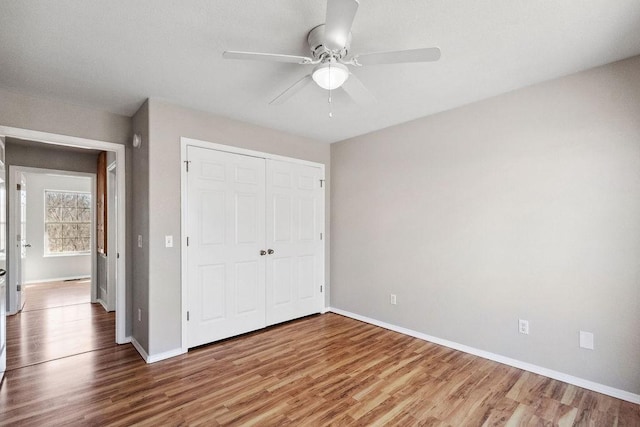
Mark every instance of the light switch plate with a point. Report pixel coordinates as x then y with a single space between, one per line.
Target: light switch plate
586 340
168 241
139 240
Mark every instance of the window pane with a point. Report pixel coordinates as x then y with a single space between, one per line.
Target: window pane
67 222
84 215
69 200
84 230
84 201
54 230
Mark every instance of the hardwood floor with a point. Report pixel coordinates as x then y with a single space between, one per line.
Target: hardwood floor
57 294
320 370
57 320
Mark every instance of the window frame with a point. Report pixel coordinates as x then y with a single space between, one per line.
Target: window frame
46 252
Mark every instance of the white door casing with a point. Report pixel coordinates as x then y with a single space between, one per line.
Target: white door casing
226 273
3 265
294 222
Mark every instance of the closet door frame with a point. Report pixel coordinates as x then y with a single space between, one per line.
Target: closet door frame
184 143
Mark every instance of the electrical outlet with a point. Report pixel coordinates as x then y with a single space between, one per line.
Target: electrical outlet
586 340
523 326
139 315
139 240
393 300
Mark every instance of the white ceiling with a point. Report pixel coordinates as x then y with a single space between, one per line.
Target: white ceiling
112 55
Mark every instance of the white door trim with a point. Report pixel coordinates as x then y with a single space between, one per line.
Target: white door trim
119 149
184 142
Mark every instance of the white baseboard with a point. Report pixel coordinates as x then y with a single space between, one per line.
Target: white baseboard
165 355
155 357
56 279
102 303
580 382
138 347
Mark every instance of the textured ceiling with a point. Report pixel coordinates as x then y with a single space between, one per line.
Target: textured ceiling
112 55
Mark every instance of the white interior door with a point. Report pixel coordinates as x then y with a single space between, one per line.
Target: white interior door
295 220
21 239
226 229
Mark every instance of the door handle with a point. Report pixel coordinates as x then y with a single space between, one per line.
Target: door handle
27 245
270 251
2 272
263 252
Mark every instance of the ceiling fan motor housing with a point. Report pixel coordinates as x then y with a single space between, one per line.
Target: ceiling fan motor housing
319 51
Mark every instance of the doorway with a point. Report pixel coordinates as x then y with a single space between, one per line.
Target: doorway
118 150
51 227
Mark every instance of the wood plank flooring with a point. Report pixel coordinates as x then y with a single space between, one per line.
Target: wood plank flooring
56 294
57 320
320 370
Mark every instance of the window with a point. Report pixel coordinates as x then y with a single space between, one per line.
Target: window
67 222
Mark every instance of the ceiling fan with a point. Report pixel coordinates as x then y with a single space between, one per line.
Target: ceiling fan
329 44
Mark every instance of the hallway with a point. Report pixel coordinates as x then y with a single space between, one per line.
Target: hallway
57 321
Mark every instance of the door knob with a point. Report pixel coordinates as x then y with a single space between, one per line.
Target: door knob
270 251
263 252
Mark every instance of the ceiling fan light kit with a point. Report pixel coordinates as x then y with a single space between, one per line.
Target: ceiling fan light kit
330 75
329 44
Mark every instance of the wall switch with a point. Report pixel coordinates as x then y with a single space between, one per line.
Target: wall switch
168 241
586 340
139 240
139 315
523 326
393 299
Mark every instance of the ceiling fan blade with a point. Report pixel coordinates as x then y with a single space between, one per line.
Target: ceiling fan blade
273 57
340 14
357 91
291 90
427 54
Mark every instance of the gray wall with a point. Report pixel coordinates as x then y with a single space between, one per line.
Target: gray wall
45 115
139 211
526 205
39 267
167 124
44 156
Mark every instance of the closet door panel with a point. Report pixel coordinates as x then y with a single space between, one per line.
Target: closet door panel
226 228
294 223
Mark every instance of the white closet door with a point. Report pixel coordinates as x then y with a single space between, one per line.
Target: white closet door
226 229
295 218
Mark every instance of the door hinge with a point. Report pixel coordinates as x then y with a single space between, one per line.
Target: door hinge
187 316
186 164
321 288
321 183
320 236
118 255
19 187
187 240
